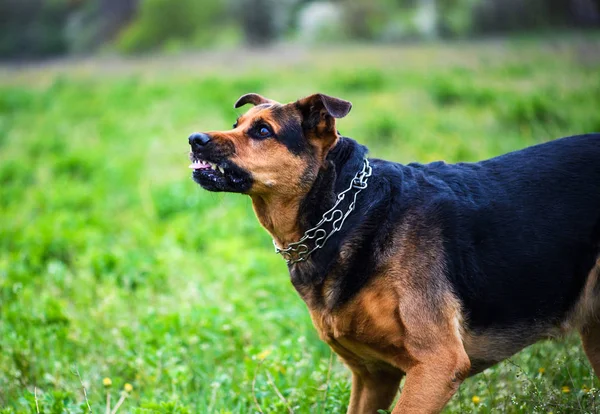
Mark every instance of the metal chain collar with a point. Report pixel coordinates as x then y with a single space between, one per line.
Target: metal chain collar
300 249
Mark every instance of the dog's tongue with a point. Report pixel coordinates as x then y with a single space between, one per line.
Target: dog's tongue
199 165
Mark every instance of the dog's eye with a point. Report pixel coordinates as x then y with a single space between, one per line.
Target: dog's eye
235 125
264 132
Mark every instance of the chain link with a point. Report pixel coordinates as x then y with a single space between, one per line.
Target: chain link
337 217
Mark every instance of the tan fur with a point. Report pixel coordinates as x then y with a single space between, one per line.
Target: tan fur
373 389
277 174
588 317
280 178
590 337
391 328
588 306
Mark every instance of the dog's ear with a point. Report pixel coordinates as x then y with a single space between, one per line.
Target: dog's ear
324 105
319 112
253 98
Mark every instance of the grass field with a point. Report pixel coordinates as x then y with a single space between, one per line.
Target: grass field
114 264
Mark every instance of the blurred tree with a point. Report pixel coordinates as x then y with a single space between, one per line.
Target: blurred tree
97 22
160 22
573 12
371 20
586 11
114 15
362 18
31 28
36 28
264 21
512 15
366 19
455 17
320 22
258 20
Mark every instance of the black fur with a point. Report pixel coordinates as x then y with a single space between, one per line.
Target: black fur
290 133
521 232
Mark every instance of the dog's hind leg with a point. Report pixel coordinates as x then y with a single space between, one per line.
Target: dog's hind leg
590 336
590 333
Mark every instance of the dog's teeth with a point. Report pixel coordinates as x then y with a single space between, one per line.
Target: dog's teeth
221 169
213 165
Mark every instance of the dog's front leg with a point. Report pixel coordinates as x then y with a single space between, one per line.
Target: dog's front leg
430 385
437 362
372 391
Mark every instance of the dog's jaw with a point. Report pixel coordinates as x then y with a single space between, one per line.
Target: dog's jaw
221 175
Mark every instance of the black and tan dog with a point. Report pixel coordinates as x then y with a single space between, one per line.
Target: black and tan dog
435 271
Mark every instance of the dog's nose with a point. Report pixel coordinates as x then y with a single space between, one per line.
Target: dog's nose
198 140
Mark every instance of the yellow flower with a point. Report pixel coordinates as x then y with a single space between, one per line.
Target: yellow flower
542 370
107 382
566 389
128 387
476 399
264 354
585 389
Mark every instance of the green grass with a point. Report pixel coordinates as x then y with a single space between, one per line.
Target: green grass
113 262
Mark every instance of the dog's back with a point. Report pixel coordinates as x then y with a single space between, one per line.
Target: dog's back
521 231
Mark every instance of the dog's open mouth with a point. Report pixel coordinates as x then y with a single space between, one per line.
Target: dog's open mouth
200 164
222 175
208 173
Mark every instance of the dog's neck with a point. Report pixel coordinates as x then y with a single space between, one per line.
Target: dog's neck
286 219
279 216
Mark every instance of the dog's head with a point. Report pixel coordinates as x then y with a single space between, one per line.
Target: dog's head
272 149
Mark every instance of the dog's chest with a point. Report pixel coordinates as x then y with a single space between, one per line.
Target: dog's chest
365 330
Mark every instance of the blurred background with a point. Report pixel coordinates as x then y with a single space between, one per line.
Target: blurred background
120 275
47 28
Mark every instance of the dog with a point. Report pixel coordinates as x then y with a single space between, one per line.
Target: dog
430 271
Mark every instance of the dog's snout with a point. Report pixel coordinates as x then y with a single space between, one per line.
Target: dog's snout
198 140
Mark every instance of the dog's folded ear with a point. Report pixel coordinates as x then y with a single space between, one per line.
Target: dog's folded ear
335 107
319 111
253 98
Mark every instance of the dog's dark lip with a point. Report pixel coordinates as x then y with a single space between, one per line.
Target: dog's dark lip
218 173
201 163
